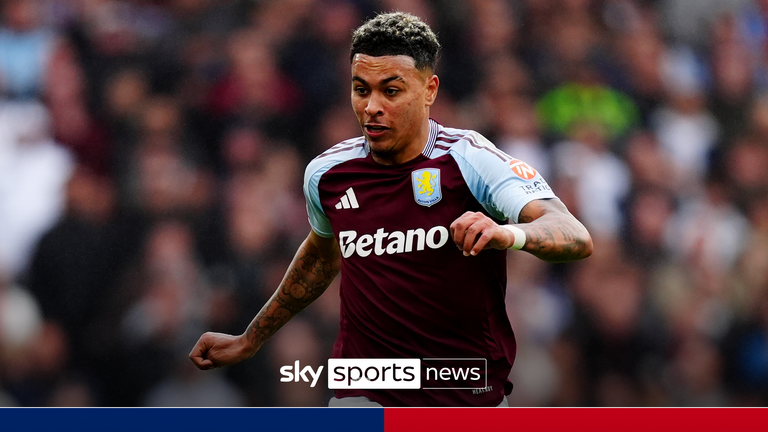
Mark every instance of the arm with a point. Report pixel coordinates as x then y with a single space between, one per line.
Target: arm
552 232
315 265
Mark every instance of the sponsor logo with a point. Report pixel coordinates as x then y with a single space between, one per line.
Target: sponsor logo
455 373
426 186
522 169
394 373
427 374
374 373
295 373
348 200
396 242
537 186
482 390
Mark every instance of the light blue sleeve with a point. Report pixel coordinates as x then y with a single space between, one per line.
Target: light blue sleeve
317 218
502 184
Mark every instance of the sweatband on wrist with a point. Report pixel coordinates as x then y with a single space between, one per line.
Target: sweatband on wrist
520 237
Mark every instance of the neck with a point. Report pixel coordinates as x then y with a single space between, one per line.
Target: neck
414 148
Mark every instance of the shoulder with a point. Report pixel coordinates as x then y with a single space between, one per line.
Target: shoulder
467 144
463 142
354 148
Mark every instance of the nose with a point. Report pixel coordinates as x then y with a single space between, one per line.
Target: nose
374 106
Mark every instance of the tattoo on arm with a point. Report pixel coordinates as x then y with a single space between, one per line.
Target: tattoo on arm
553 234
307 278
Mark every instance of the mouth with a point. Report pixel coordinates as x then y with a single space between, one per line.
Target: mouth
375 130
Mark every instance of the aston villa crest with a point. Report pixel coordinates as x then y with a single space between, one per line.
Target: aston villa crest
426 186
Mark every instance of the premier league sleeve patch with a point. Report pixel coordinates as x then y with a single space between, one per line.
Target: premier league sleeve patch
426 186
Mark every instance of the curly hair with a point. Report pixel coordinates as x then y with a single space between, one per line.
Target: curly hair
397 33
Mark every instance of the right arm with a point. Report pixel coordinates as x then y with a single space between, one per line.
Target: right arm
315 265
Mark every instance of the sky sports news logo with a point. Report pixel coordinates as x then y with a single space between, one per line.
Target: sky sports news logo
428 373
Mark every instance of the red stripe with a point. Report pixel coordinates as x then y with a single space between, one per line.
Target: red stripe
454 138
568 419
446 134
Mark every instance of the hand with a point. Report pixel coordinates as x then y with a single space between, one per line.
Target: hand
214 350
474 231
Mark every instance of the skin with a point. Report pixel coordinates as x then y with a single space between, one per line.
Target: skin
391 99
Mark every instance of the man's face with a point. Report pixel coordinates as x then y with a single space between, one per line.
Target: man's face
391 99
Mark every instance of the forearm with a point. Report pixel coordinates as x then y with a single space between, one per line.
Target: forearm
308 276
556 236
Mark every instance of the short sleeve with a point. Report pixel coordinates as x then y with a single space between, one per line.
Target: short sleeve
317 217
502 184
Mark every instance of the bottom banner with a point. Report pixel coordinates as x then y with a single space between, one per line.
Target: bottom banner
384 419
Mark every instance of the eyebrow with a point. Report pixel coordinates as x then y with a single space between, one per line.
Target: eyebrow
384 81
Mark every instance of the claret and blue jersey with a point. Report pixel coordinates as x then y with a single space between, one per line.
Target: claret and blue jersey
407 291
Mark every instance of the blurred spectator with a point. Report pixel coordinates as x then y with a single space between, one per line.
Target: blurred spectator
745 165
26 50
254 89
584 99
708 234
591 179
733 80
90 235
539 310
637 52
186 388
745 350
689 21
161 302
34 170
33 351
695 374
649 213
685 128
616 329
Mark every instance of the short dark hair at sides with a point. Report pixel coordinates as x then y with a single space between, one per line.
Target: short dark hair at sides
397 33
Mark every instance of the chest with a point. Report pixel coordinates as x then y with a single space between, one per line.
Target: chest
362 196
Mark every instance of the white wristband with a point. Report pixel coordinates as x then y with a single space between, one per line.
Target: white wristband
519 234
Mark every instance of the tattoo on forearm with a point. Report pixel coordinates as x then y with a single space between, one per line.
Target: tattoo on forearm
556 238
308 277
554 234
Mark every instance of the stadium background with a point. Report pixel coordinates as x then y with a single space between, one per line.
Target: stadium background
151 159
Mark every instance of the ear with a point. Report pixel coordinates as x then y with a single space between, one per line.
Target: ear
432 85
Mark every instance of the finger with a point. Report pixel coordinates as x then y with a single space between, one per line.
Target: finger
458 231
482 241
199 353
203 363
198 357
472 235
459 228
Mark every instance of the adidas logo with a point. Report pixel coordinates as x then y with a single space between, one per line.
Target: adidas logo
349 200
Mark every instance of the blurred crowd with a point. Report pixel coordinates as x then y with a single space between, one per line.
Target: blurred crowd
151 161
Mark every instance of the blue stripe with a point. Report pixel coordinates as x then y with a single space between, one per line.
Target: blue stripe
193 419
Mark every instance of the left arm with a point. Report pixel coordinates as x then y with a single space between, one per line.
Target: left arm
552 233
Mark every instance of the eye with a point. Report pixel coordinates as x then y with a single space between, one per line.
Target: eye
391 91
360 90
